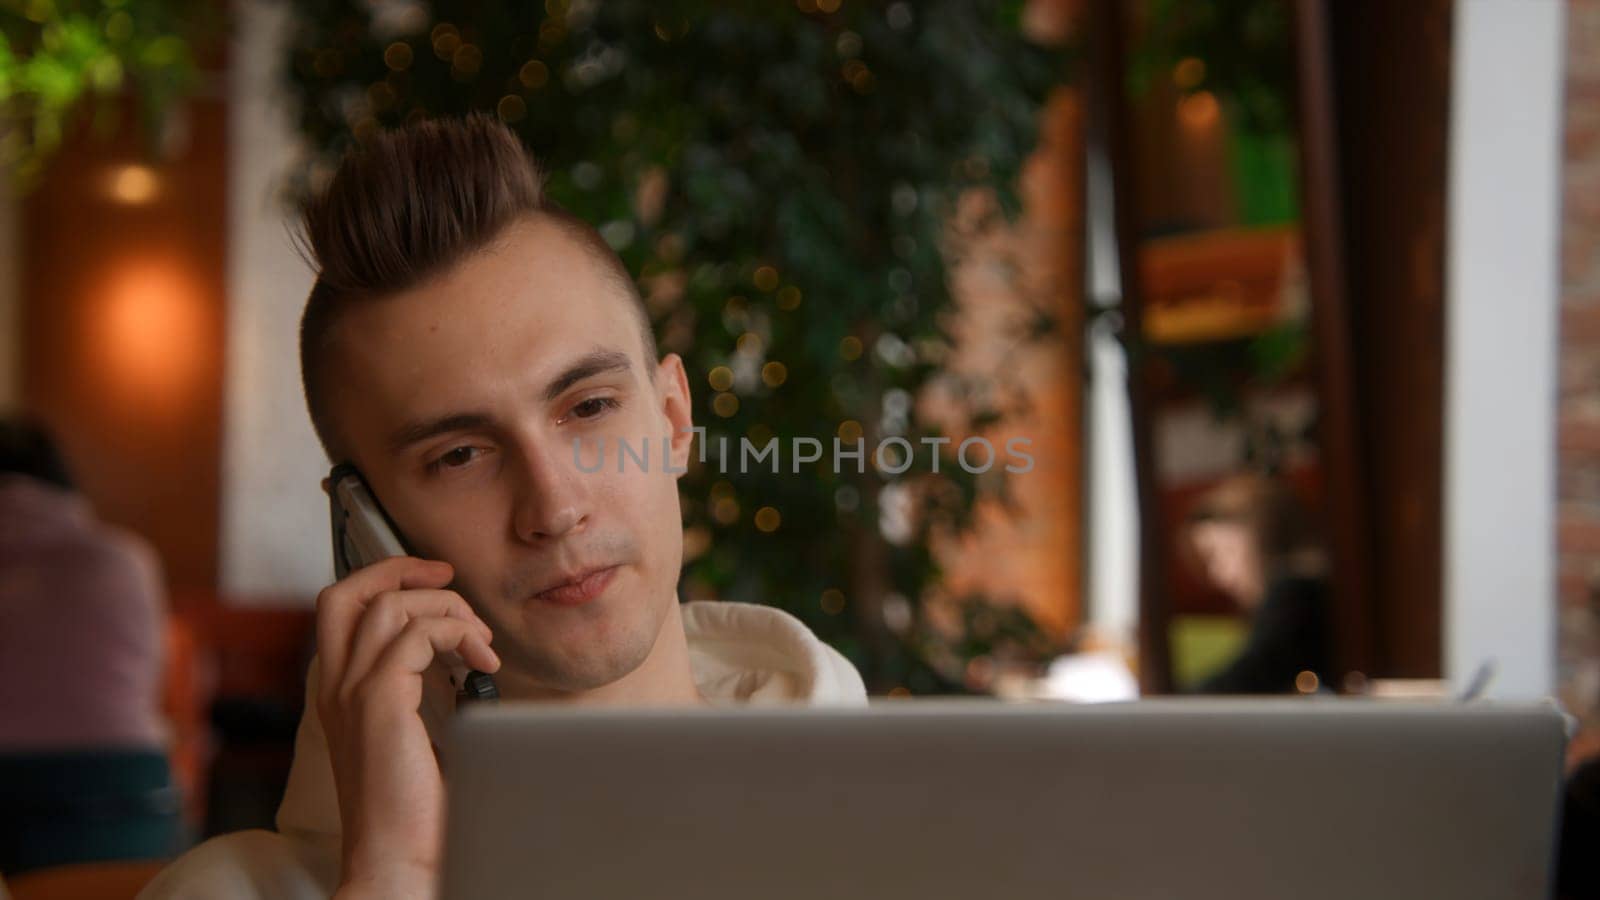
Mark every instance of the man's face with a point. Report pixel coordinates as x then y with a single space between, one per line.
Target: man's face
460 400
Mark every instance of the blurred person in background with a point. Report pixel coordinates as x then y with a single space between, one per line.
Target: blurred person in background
83 772
1253 540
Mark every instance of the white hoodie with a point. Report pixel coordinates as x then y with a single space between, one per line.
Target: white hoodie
738 652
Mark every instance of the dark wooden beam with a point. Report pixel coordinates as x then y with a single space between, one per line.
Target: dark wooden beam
1340 427
1111 128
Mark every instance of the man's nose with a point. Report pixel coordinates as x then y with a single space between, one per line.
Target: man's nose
553 498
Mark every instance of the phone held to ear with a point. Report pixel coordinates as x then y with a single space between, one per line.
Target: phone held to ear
362 535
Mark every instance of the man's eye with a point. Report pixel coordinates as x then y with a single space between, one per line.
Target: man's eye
454 458
594 406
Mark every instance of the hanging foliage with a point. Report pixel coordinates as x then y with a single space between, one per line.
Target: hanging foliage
781 178
58 57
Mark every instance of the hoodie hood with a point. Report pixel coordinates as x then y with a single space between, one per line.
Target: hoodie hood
739 653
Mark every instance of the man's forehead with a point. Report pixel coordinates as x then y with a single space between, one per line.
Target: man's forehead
428 417
531 291
514 318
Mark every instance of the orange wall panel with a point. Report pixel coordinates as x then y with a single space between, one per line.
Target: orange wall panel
123 280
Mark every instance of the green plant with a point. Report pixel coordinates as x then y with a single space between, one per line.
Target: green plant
1244 49
782 179
57 56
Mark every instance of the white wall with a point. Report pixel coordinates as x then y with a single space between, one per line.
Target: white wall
1500 404
275 543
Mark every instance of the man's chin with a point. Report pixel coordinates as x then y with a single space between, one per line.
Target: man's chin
581 652
569 672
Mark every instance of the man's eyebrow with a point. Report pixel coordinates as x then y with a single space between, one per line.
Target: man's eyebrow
417 432
587 366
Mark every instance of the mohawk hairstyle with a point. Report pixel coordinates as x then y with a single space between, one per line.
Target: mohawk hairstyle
409 204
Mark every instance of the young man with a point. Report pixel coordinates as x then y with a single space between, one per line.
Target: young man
462 335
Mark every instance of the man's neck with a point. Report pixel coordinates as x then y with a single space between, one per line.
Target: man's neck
663 679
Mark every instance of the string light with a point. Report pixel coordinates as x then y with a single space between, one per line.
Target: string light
720 378
789 298
533 74
774 373
725 405
1188 73
133 184
766 278
1307 682
398 56
858 75
446 41
467 59
768 519
850 347
511 108
1199 110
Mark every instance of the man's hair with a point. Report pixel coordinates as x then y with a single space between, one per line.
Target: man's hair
409 204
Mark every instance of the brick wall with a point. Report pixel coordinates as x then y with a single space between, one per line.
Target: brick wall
1578 492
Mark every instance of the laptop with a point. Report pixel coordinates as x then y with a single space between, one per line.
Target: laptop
938 800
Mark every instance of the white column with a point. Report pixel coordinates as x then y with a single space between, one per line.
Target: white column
275 541
1113 537
1500 385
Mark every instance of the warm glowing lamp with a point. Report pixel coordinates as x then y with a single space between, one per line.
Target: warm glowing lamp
151 334
133 184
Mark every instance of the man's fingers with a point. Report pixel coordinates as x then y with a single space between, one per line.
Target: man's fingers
340 604
403 661
386 614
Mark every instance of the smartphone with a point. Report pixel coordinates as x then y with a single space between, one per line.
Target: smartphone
364 534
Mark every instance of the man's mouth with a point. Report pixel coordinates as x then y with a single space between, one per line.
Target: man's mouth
578 588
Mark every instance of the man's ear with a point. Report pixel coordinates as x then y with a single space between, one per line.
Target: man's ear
672 384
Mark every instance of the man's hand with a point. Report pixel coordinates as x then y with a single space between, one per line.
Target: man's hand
385 636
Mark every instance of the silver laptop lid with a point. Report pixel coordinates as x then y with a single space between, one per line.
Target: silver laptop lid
1158 799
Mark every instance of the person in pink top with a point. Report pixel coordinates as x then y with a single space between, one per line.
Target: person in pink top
83 769
81 612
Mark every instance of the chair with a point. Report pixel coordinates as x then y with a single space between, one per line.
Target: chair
84 881
83 806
